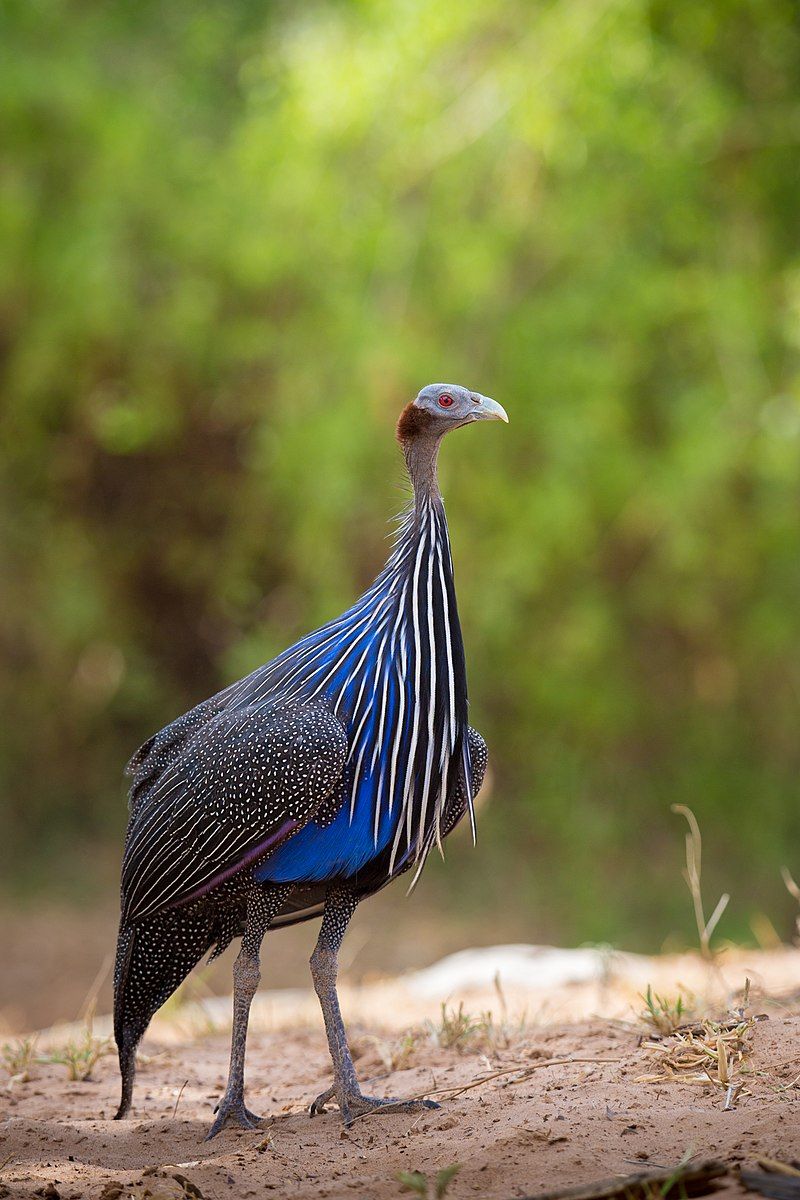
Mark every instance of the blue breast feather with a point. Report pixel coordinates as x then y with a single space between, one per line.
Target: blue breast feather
336 851
351 840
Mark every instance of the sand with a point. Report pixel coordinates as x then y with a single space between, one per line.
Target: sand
514 1135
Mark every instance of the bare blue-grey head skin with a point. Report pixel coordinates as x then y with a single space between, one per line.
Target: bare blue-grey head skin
307 786
451 406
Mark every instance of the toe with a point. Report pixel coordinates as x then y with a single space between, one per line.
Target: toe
318 1106
232 1114
216 1128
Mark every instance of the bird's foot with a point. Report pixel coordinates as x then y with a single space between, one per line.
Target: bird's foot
353 1104
232 1111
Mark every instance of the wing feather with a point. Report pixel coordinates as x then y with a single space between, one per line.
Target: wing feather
225 792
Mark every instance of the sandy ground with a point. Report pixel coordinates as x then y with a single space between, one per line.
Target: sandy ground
543 1124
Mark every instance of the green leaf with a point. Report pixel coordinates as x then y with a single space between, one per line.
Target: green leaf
414 1181
444 1178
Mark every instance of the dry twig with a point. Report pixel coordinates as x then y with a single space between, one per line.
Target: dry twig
524 1070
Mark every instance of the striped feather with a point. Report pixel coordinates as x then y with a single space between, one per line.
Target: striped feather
392 670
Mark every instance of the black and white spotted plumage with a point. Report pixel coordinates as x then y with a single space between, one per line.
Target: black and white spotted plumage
236 785
339 765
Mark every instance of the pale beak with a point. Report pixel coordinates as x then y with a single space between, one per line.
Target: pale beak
489 410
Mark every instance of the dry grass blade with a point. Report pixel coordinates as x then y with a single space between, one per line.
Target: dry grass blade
89 1008
693 877
774 1164
722 1061
709 1053
178 1100
793 889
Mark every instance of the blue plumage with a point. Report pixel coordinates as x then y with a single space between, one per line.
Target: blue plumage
340 849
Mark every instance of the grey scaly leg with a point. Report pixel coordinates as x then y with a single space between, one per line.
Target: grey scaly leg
340 904
262 905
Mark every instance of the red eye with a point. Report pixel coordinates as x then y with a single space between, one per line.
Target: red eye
446 400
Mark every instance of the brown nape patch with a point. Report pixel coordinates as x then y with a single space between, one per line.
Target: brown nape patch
413 421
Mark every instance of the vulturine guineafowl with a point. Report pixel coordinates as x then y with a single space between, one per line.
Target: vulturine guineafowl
307 786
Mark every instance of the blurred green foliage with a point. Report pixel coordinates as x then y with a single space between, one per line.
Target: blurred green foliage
237 237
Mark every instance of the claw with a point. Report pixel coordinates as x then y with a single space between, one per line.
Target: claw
232 1112
318 1105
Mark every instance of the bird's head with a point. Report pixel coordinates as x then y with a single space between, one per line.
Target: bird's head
440 407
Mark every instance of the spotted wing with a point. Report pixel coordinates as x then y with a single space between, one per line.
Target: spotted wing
236 787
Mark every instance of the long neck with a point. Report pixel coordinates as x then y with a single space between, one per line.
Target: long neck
422 454
421 555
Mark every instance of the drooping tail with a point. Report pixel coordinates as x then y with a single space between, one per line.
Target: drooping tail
153 957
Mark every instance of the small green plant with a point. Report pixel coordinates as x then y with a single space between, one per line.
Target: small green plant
80 1055
663 1014
456 1028
402 1050
429 1189
18 1058
463 1031
397 1053
662 1190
